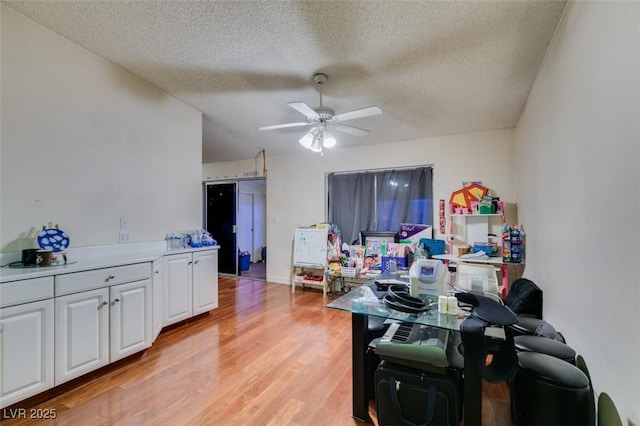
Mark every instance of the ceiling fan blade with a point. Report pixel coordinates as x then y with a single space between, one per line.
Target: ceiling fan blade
304 109
349 129
359 113
283 126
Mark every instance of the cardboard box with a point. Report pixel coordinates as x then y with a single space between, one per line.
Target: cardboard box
413 232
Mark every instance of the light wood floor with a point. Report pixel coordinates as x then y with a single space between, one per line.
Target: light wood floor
265 357
256 270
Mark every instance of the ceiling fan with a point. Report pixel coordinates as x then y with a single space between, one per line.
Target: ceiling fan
324 120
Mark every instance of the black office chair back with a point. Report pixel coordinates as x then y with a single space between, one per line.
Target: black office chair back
525 298
477 347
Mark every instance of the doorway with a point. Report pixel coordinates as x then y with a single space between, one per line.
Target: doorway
252 236
235 215
220 221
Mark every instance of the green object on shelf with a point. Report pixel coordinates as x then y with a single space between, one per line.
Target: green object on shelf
485 207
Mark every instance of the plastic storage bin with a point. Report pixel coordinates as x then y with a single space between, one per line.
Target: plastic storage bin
434 246
243 261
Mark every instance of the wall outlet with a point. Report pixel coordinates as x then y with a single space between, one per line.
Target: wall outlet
125 237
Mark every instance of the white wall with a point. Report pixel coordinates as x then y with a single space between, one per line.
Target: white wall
84 142
296 183
577 153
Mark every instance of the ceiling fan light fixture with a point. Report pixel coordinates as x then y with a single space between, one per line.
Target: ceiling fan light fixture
316 145
328 141
322 118
308 138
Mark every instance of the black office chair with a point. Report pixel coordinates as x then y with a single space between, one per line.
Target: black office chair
525 298
550 391
607 412
486 312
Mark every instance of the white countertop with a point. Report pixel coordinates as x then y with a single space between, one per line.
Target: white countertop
84 259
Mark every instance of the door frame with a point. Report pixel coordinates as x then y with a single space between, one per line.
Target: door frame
205 184
246 235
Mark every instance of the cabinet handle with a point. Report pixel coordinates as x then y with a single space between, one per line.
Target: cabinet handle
157 272
190 263
100 306
116 300
110 277
196 261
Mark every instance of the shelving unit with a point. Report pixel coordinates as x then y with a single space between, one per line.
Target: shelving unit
468 228
298 273
309 256
472 228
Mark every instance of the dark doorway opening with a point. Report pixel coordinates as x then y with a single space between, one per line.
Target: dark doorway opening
221 223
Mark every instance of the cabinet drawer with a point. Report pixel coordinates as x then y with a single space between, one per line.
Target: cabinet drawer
23 291
97 278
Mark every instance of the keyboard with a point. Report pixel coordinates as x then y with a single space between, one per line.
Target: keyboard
415 345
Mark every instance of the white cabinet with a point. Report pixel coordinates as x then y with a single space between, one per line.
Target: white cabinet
190 285
130 318
26 350
23 291
82 333
56 328
205 281
177 288
157 283
102 325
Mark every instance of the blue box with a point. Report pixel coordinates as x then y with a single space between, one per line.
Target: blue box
392 263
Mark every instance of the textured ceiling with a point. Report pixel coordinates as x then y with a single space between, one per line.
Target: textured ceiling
434 67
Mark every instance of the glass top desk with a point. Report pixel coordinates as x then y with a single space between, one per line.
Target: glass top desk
360 310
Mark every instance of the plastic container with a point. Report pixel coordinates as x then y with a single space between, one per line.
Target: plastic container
175 242
434 246
491 249
243 261
196 239
348 272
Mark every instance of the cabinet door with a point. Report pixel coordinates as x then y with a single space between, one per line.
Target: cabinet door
177 293
26 350
205 281
156 282
82 333
130 318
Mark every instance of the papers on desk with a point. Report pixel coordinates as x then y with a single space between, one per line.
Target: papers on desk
479 255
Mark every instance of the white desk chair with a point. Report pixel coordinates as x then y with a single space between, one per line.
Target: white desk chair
478 278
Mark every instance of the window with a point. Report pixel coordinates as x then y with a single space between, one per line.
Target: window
379 200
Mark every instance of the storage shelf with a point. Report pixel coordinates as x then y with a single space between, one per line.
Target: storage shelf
311 282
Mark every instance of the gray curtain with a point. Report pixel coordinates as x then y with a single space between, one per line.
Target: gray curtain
351 203
380 200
